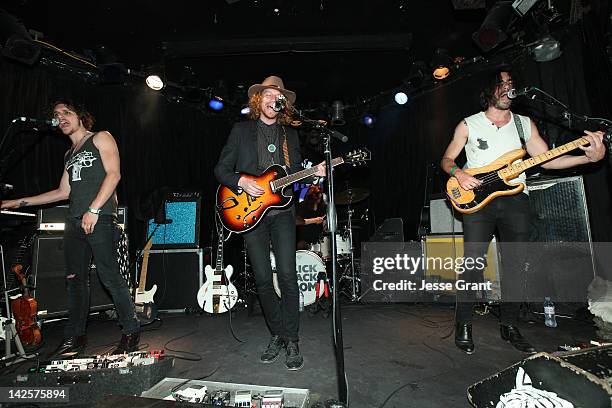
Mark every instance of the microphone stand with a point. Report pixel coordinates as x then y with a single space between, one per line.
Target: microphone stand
569 115
331 219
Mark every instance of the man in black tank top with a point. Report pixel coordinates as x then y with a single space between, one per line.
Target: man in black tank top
91 174
507 216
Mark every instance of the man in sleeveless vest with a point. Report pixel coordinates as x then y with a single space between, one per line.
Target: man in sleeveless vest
251 148
485 136
89 181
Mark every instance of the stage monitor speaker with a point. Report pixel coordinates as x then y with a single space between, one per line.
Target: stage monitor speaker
391 230
178 274
582 378
182 211
49 270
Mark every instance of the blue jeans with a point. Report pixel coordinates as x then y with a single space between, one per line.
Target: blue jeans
282 315
78 250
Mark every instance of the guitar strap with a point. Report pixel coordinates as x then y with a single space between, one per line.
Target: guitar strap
519 128
286 149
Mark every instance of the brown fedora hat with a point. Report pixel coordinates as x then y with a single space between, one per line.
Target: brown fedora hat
272 82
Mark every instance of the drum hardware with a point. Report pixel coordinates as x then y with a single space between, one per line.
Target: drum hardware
353 295
351 195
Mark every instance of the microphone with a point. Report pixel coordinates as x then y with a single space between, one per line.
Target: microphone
339 136
514 93
53 122
279 103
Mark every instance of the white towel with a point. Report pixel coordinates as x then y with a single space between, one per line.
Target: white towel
525 395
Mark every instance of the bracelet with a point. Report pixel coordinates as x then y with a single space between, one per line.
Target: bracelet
453 170
94 210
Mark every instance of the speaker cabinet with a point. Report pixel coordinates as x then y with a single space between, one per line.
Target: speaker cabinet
442 218
49 270
449 247
562 262
178 274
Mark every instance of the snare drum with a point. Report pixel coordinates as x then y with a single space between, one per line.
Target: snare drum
307 266
343 247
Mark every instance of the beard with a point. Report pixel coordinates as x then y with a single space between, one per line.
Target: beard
498 104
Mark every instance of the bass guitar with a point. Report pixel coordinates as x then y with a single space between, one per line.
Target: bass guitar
240 212
218 294
496 177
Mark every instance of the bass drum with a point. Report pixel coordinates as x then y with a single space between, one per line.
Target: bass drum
307 266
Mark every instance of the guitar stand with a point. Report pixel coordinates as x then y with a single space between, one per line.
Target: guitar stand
10 331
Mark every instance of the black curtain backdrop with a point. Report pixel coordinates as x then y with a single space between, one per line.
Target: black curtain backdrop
168 144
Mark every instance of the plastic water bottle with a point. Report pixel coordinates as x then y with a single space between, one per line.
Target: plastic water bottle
301 301
549 313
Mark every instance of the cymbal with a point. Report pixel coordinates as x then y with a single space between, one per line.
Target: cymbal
352 195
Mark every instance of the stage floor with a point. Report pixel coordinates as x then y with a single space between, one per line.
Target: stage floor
396 355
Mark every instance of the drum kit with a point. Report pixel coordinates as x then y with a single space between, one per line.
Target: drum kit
310 263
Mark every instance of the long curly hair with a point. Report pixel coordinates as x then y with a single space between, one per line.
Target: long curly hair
86 118
284 116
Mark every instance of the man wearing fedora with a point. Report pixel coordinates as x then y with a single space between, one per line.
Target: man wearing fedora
251 148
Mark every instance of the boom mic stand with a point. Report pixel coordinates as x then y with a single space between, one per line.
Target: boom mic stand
331 219
569 115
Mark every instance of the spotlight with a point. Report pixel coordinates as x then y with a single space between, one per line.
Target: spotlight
401 98
245 111
216 103
492 31
154 82
441 63
546 49
368 120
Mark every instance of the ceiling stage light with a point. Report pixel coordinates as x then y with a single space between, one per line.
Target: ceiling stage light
216 103
154 82
401 98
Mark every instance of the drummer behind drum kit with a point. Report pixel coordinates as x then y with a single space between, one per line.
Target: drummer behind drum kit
311 263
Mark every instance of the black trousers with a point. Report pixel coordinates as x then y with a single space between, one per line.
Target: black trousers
282 315
78 250
509 216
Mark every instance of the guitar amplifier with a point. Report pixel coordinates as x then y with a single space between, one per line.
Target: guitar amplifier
52 219
561 252
182 211
49 270
178 274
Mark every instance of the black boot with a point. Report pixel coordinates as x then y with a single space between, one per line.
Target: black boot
512 335
294 360
128 343
463 337
273 350
72 346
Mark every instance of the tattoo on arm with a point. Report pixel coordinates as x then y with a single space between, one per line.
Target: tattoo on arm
23 203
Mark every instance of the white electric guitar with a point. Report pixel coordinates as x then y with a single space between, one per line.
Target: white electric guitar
143 299
218 294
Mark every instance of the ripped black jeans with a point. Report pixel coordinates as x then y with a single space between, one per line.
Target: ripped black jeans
78 250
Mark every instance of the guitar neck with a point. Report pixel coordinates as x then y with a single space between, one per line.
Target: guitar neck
302 174
516 169
219 264
145 265
143 273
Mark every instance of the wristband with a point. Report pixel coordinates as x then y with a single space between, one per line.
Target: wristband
453 170
94 210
